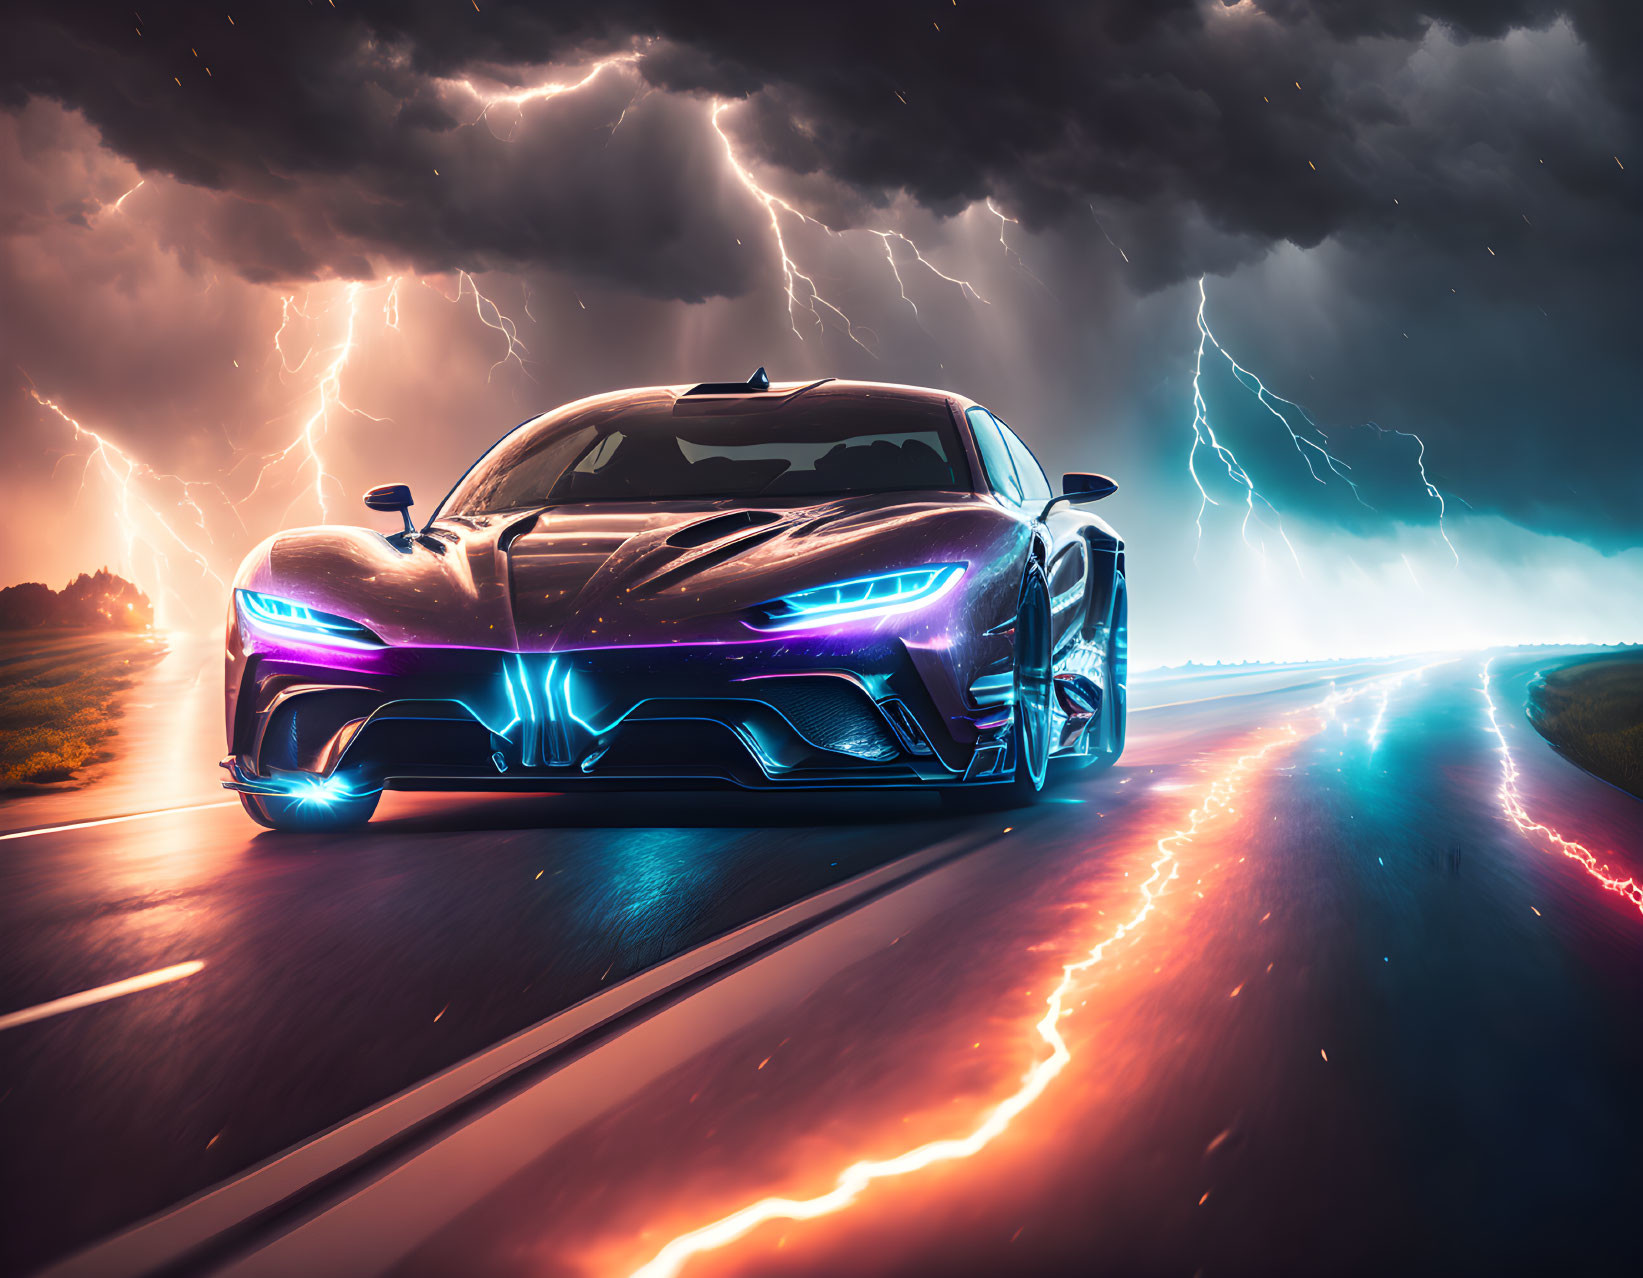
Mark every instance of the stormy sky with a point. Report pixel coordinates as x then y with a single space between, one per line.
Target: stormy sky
271 257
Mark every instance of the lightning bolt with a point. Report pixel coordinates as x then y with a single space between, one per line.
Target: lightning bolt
491 316
774 206
119 204
1004 219
1511 804
132 509
1219 800
328 401
1309 450
798 285
1203 435
519 98
1431 488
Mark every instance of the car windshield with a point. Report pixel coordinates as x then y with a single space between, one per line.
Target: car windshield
648 447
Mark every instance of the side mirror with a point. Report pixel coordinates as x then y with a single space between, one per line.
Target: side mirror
1081 485
393 497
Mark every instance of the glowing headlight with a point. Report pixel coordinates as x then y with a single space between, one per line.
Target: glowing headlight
284 619
880 596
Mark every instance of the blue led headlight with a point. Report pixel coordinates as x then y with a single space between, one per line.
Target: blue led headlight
285 619
862 597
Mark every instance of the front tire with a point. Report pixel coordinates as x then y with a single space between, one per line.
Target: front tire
288 746
1034 687
1114 688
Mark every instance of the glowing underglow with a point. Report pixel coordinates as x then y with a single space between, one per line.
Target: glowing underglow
1511 803
286 619
856 1178
885 594
307 789
570 710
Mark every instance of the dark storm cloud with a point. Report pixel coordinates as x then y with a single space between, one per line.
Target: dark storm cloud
1158 111
1458 157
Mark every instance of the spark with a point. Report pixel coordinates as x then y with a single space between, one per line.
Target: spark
856 1178
1511 803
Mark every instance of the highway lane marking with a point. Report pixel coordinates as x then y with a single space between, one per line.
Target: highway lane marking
230 1212
116 820
101 994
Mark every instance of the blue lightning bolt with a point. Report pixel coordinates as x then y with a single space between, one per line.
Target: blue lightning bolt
1309 450
1203 435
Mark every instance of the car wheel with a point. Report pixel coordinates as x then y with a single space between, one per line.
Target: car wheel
286 747
1114 690
306 816
1033 686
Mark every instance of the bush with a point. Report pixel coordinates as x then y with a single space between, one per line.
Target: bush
1593 713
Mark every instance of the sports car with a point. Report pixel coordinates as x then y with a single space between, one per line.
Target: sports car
781 586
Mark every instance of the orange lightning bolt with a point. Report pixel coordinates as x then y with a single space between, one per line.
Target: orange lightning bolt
856 1178
327 401
123 471
1511 803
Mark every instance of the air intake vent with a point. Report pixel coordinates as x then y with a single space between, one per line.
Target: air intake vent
710 530
831 713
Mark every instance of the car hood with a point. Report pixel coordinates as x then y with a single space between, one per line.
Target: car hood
603 575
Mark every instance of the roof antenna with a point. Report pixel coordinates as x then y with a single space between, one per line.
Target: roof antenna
760 380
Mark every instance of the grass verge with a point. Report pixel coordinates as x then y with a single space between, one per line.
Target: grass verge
60 694
1592 712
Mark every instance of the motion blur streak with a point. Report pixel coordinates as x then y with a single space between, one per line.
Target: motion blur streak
1511 803
102 994
858 1176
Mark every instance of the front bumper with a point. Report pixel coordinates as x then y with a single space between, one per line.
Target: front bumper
793 712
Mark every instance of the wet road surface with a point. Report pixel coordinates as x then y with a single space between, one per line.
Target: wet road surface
1359 1019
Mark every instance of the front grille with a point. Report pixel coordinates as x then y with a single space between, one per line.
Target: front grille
830 713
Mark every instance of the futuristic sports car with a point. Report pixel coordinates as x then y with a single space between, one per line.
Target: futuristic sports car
782 586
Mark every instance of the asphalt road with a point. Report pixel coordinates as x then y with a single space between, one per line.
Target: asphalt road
1358 1018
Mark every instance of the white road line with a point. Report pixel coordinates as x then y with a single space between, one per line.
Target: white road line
130 816
85 998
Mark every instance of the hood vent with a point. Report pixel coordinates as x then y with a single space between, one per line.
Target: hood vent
710 530
707 559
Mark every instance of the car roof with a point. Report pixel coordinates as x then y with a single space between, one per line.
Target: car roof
780 393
